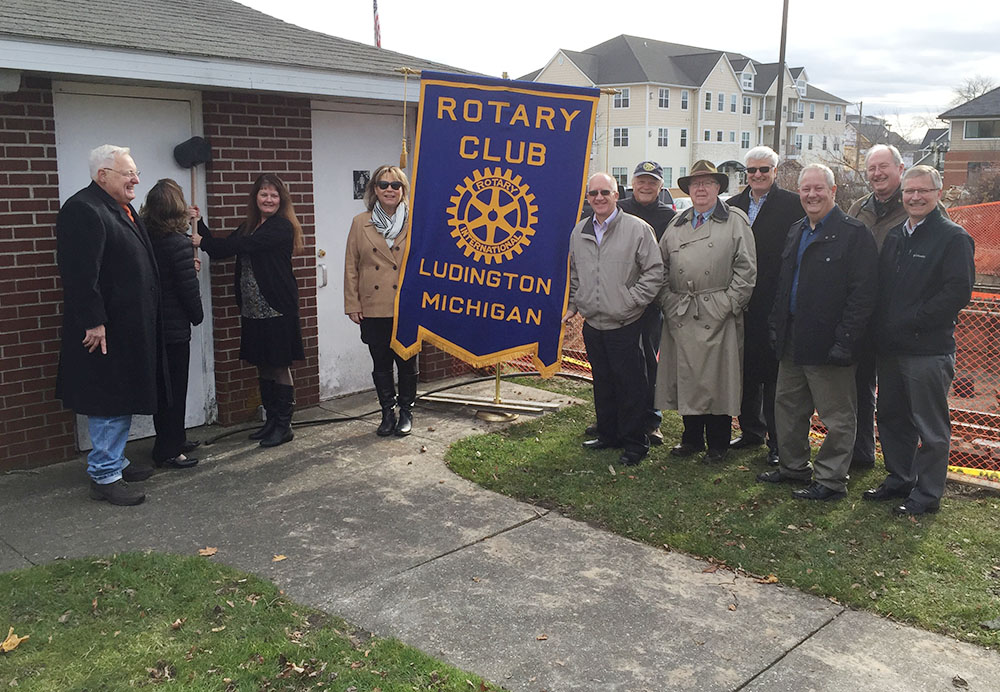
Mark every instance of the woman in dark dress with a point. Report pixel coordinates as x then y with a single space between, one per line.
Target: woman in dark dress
374 247
166 216
268 297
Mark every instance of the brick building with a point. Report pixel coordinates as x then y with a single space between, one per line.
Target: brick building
150 74
975 138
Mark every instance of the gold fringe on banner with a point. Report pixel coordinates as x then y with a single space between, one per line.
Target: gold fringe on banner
406 72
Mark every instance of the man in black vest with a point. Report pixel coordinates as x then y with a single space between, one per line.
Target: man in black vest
645 203
926 275
771 211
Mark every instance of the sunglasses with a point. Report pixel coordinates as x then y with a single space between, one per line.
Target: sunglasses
602 193
763 169
385 184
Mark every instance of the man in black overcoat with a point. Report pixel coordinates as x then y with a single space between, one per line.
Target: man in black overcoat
772 211
111 342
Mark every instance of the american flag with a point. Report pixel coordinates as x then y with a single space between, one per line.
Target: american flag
378 32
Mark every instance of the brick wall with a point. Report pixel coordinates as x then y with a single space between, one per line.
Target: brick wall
253 134
34 427
435 364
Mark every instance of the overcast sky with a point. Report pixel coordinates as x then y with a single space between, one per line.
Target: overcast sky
901 59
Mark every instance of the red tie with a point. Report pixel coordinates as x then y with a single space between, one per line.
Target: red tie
699 219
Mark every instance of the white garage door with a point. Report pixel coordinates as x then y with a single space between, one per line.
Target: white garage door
343 143
150 122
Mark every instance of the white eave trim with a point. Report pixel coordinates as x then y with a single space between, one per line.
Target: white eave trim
61 60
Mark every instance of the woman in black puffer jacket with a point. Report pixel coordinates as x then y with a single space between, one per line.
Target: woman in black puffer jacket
167 216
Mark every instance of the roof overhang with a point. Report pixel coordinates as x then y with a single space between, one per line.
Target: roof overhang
74 61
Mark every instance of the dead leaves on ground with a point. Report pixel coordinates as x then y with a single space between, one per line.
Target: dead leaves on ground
12 641
207 552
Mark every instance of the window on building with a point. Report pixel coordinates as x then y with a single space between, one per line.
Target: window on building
682 172
824 143
744 140
982 129
732 135
722 102
664 98
684 137
810 146
800 84
622 98
798 143
836 143
708 135
620 174
826 112
812 111
620 137
684 99
838 114
733 99
668 177
718 135
801 107
747 105
663 137
747 80
708 100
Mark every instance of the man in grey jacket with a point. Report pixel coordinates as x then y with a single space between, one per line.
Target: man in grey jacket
615 272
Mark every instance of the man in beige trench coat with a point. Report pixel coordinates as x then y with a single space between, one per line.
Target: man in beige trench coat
710 262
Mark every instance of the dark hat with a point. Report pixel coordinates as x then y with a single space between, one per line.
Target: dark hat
649 168
193 152
704 167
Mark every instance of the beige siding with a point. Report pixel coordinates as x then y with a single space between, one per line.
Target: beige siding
960 143
561 70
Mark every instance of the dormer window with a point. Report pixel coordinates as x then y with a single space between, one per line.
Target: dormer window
747 80
800 84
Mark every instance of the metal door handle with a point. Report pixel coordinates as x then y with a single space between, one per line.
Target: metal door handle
322 280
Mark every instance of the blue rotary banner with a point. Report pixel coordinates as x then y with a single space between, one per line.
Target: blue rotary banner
498 179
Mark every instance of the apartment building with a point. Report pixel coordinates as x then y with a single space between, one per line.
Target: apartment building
677 104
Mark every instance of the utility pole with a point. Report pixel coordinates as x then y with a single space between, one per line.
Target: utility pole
780 96
857 135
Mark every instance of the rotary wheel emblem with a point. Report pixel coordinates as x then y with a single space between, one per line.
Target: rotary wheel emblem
492 215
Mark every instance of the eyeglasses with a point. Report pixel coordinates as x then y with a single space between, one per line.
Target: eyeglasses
124 174
602 193
386 184
920 191
705 182
753 169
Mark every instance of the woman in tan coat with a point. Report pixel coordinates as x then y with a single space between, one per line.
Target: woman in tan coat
371 278
710 263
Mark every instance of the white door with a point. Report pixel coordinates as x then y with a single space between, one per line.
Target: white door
151 123
343 143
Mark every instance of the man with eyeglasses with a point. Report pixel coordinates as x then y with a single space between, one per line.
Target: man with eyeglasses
880 210
711 268
926 275
771 211
615 273
111 353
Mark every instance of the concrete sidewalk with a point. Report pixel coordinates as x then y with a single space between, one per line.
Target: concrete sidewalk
381 532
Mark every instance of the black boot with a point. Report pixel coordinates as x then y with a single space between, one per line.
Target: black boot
284 403
267 400
385 388
407 395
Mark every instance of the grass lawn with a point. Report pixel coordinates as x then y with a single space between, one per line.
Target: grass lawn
150 620
940 572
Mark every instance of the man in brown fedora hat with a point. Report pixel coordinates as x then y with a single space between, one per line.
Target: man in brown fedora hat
711 268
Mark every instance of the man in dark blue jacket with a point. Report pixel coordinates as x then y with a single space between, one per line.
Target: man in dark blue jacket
926 274
826 293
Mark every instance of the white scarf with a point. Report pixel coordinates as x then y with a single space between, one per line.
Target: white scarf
389 226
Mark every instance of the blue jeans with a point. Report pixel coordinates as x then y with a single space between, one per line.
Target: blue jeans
107 459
